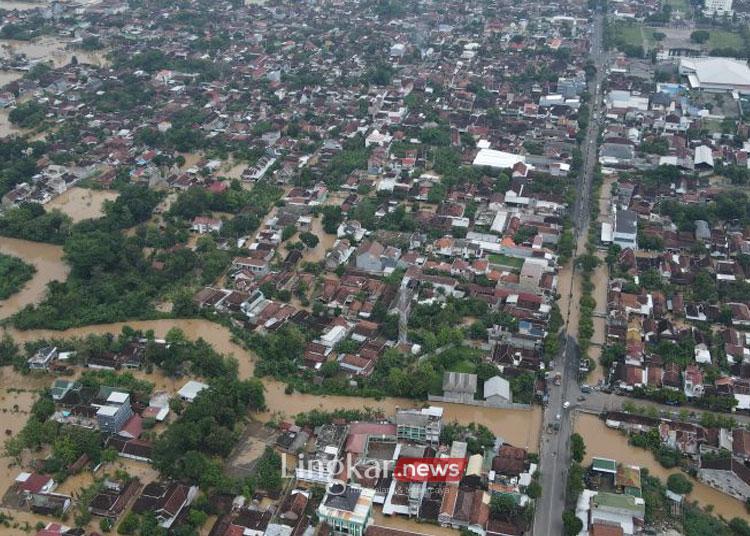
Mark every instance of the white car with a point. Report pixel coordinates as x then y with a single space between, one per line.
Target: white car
566 404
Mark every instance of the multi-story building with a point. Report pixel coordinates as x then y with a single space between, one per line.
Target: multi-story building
347 509
420 425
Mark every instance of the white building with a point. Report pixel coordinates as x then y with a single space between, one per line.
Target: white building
190 390
497 159
717 7
716 74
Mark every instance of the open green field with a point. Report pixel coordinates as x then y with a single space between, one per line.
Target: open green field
724 39
628 33
679 5
504 260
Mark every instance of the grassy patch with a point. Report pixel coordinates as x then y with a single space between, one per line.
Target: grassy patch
724 39
679 5
628 33
504 260
464 366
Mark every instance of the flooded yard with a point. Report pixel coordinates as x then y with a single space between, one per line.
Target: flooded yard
47 259
410 525
608 443
325 243
82 203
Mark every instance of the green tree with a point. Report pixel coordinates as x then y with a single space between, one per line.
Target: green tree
577 447
571 524
129 524
679 483
503 505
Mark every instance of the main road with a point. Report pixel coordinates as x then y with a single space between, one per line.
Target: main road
554 456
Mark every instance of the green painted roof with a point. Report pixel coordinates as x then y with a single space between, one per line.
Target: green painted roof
614 500
604 464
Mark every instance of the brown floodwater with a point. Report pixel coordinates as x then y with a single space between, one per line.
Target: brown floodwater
518 427
47 259
52 48
82 203
410 525
325 243
609 443
11 5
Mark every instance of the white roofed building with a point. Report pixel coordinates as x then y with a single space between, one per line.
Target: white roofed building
716 74
497 159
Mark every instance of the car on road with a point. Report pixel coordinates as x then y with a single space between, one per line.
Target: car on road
585 388
581 398
566 404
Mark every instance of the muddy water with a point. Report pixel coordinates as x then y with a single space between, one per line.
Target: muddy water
49 267
518 427
410 525
325 243
15 407
609 443
82 203
50 48
11 5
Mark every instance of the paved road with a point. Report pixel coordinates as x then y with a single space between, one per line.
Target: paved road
554 451
602 402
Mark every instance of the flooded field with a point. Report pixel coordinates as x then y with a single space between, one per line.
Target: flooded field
11 5
49 265
51 48
609 443
82 203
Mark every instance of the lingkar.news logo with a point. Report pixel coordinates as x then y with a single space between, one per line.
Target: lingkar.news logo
429 469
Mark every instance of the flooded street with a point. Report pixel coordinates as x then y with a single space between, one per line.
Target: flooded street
608 443
47 259
82 203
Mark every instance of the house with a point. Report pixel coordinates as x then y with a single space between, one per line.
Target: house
497 391
42 358
626 229
459 386
729 475
693 382
347 509
368 256
165 500
626 511
203 225
420 425
319 467
190 390
258 267
113 498
112 416
31 483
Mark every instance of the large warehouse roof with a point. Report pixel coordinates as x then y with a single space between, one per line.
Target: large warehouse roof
497 159
713 72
